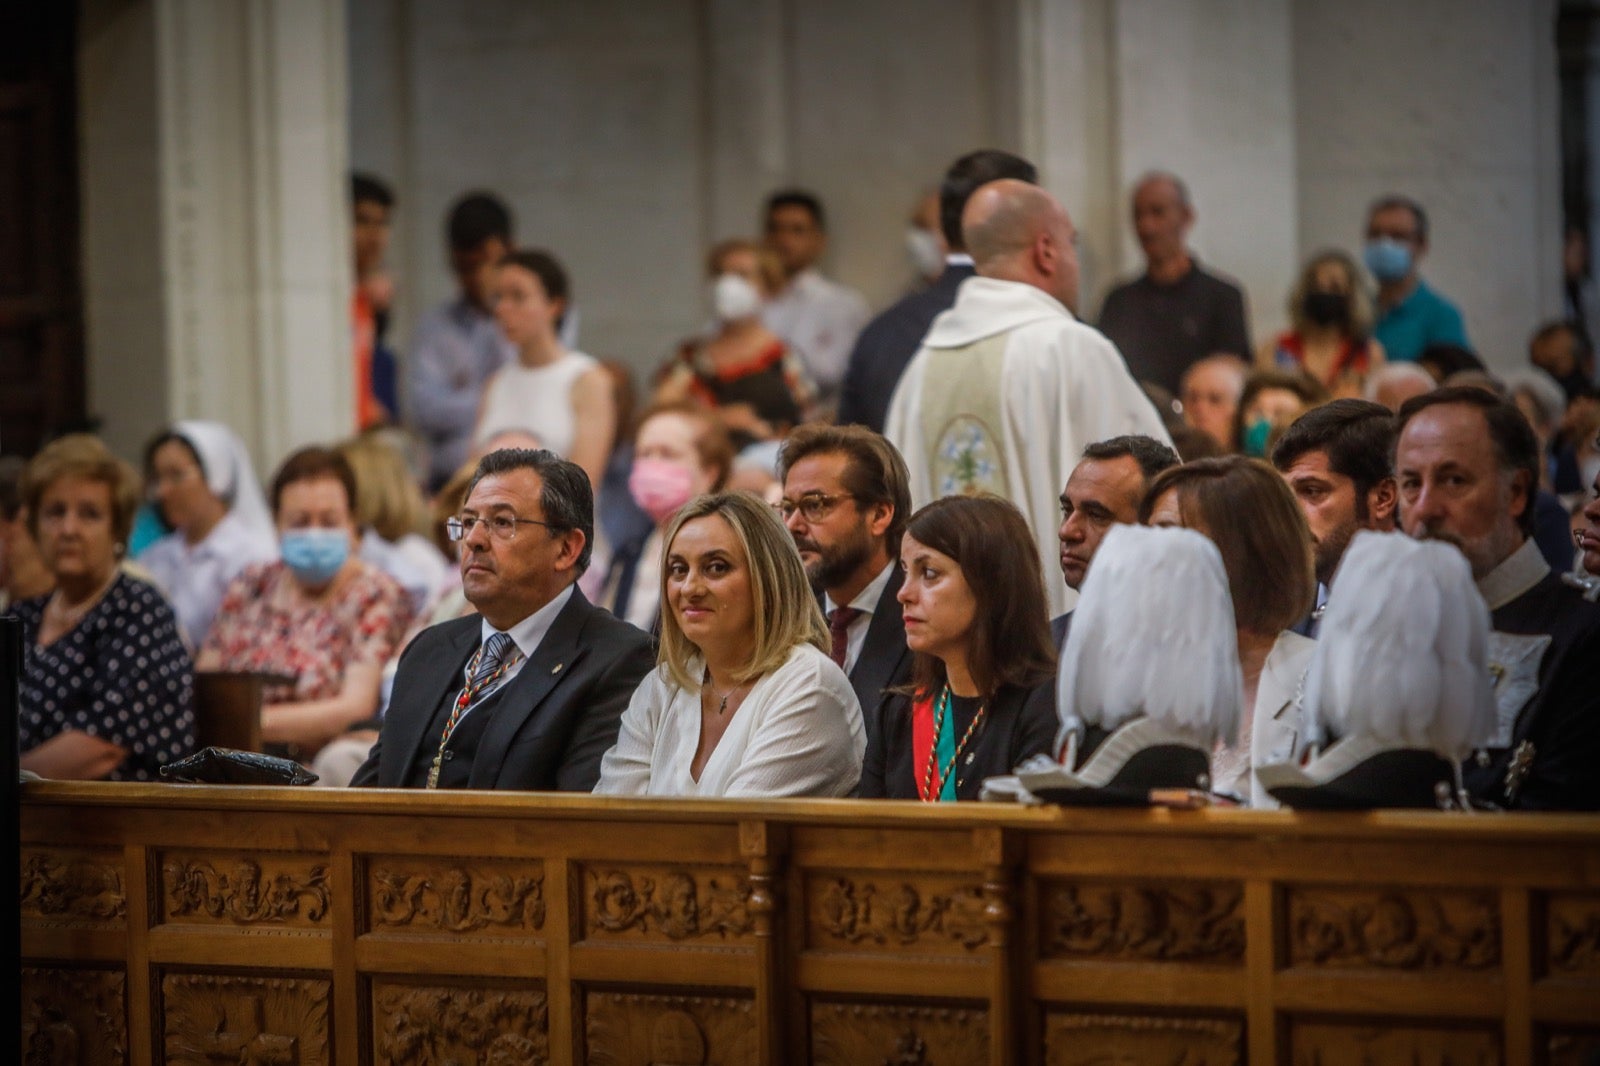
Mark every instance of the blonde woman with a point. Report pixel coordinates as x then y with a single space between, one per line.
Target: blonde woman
744 700
392 515
1330 339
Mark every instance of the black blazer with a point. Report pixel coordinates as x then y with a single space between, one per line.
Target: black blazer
1021 722
1060 626
885 661
886 345
552 723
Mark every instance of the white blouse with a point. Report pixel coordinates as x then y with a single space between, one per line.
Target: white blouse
798 733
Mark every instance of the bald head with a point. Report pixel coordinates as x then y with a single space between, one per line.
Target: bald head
1019 232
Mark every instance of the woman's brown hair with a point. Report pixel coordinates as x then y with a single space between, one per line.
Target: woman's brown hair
85 456
1009 643
1247 510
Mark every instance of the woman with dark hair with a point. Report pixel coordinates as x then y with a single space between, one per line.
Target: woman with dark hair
982 695
106 682
1246 509
319 616
562 397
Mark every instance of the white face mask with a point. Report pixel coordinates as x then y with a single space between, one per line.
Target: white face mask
733 297
926 252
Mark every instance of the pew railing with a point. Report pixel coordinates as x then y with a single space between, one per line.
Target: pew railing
186 924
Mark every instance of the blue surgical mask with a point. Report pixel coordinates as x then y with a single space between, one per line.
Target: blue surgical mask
1256 435
315 555
1388 259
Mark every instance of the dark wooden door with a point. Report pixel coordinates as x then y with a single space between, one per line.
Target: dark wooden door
42 381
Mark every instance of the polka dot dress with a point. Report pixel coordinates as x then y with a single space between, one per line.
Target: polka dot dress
121 674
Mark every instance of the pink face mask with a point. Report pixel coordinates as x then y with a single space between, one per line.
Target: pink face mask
660 487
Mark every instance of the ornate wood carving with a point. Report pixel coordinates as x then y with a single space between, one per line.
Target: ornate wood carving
64 887
1408 929
211 1019
1571 1047
1319 1044
625 1028
673 904
1176 922
494 898
286 891
927 915
492 1023
1095 1039
858 1034
1572 931
74 1016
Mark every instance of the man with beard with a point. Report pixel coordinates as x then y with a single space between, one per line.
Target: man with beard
846 501
1104 490
1336 459
1467 465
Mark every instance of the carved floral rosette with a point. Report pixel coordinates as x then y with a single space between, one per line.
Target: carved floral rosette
247 890
897 1034
493 1023
1572 935
663 903
1188 922
623 1028
462 896
1092 1039
76 888
1393 929
74 1016
214 1018
895 913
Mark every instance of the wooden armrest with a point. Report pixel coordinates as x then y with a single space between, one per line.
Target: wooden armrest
227 708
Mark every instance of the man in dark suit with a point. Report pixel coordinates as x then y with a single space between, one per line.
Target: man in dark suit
528 693
1103 490
846 501
889 341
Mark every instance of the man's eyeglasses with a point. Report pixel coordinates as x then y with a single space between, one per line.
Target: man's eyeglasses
501 526
815 506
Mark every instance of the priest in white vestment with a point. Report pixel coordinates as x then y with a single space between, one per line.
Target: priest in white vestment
1009 387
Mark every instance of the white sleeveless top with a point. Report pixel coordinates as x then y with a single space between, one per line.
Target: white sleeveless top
537 400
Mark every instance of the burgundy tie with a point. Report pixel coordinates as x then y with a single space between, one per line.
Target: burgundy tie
839 626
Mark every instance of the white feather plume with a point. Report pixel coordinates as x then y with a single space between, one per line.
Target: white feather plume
1402 654
1153 634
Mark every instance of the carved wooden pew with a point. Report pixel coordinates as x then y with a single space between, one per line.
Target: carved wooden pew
191 924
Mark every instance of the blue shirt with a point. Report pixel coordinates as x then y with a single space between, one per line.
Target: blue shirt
1421 319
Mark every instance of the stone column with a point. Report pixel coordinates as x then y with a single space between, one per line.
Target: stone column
216 226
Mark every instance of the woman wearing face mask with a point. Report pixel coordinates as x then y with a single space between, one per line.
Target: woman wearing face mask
1331 336
1270 401
679 452
743 369
320 615
200 477
106 683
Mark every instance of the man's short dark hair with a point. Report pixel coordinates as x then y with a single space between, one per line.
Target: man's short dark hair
964 178
1515 446
366 189
1448 359
1582 348
475 218
1151 455
797 198
1357 436
567 498
1393 200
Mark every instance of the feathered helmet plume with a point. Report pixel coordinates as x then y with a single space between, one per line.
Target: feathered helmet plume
1402 655
1153 634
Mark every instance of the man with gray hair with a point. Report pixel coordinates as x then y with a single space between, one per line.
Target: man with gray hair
1175 314
1009 387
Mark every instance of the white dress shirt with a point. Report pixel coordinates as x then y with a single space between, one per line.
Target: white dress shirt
866 602
819 319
